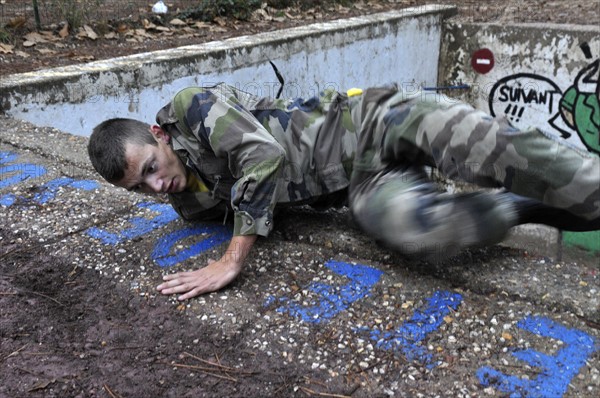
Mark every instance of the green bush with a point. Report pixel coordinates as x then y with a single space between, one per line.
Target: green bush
5 36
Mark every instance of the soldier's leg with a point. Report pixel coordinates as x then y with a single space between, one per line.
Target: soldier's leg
472 146
403 209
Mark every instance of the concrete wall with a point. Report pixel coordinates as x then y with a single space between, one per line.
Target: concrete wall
400 46
536 75
544 76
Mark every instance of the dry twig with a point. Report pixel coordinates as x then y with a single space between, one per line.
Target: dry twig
43 295
108 390
204 370
323 394
12 354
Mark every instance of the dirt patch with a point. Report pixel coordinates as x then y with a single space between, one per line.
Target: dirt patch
70 332
26 50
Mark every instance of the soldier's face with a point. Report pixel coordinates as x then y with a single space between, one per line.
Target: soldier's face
153 169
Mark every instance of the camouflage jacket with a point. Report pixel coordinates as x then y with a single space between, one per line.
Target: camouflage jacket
255 153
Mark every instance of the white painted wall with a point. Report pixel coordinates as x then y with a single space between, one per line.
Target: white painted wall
400 47
534 66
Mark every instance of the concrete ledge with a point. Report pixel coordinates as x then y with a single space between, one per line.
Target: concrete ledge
335 54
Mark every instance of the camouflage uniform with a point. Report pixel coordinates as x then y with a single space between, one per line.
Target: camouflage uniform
392 198
255 153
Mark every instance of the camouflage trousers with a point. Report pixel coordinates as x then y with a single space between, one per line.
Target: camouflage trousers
392 198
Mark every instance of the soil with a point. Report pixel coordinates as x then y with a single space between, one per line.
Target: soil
68 331
55 46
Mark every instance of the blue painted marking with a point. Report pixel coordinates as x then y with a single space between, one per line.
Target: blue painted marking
86 185
334 299
49 189
7 200
409 336
7 157
556 371
141 225
18 172
217 235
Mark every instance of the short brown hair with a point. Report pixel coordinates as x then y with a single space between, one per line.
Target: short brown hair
106 146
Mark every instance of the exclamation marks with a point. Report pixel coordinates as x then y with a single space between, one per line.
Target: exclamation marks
514 112
587 51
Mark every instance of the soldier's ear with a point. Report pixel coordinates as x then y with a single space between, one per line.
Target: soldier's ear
159 134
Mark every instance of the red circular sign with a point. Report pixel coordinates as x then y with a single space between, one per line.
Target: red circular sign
482 61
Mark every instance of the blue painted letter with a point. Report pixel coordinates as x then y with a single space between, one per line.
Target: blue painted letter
334 299
556 371
218 235
409 336
141 225
18 172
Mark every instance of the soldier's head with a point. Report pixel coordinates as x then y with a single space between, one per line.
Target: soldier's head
136 156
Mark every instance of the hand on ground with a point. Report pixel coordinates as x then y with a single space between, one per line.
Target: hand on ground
216 275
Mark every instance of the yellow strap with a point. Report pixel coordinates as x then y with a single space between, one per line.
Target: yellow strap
195 185
354 91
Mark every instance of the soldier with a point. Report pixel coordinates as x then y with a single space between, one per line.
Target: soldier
219 149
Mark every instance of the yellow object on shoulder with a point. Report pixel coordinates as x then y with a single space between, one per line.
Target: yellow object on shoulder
354 92
194 184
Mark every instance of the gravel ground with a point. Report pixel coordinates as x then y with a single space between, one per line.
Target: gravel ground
80 318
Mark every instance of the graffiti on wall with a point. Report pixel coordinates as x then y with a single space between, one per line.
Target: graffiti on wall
529 100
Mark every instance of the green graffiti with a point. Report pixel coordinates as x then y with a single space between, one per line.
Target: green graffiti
580 106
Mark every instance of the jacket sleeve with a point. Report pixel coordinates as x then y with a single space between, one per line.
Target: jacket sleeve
255 158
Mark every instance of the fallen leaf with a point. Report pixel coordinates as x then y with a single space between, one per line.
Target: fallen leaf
177 22
40 385
220 21
45 51
148 25
162 29
35 38
506 336
90 32
202 25
218 29
84 58
111 36
143 33
64 32
17 22
122 28
6 49
22 54
448 319
261 14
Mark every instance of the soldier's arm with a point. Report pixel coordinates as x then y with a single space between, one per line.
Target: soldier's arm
216 275
256 160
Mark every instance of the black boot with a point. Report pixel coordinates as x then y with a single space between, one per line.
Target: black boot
533 211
